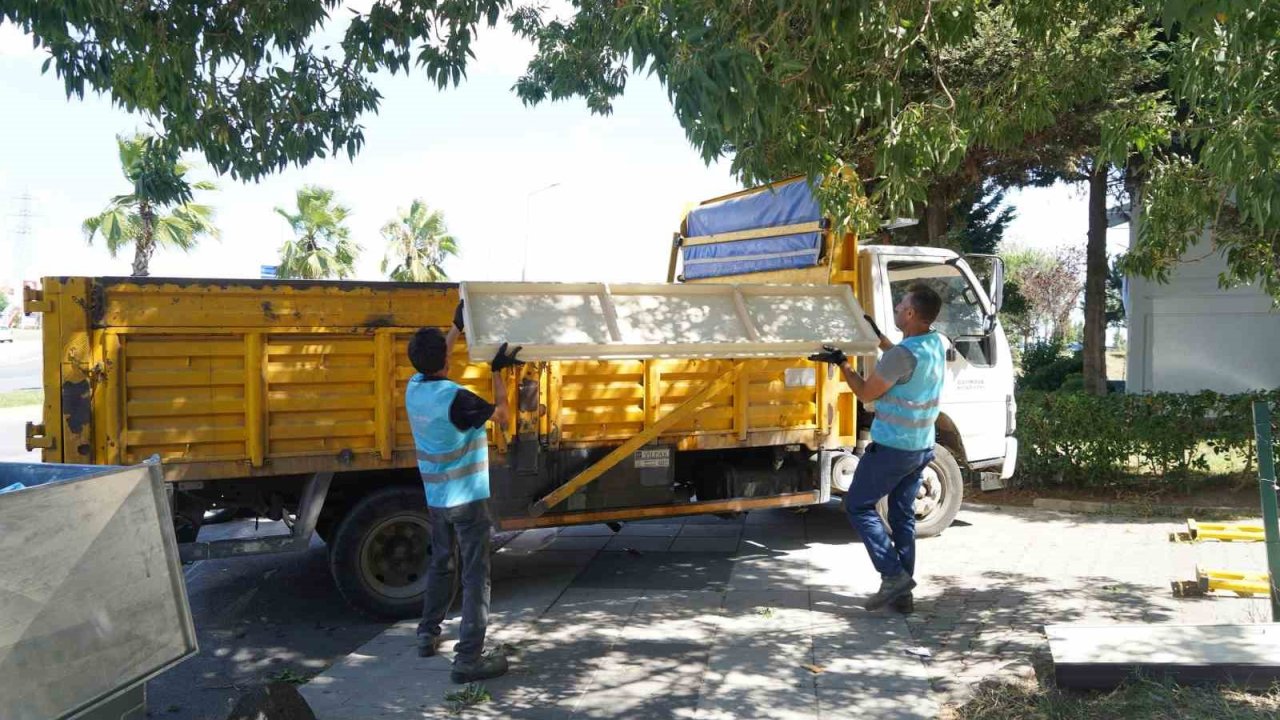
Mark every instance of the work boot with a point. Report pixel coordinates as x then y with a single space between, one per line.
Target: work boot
489 665
891 588
905 604
428 647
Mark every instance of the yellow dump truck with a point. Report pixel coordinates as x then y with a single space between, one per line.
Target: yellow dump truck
286 398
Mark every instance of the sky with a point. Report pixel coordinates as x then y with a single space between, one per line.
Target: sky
592 198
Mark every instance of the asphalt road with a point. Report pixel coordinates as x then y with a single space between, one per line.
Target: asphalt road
20 361
257 619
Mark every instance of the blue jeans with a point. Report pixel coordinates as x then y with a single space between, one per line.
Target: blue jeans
882 471
471 525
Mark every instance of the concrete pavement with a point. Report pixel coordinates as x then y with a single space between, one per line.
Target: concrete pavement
760 617
13 434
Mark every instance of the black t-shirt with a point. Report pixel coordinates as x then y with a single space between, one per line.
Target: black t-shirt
469 411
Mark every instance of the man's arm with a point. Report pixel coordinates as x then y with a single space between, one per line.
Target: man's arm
867 389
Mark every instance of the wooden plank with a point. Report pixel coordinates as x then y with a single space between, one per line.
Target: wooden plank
255 398
754 234
657 511
1103 656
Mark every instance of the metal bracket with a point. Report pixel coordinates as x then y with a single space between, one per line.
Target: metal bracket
36 438
299 538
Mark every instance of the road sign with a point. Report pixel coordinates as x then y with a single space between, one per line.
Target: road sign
269 272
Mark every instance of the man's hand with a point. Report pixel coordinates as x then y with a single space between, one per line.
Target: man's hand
504 360
829 354
874 328
457 316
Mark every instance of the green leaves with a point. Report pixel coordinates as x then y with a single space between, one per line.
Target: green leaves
138 219
322 246
241 82
417 244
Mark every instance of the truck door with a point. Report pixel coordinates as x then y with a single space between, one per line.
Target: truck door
979 378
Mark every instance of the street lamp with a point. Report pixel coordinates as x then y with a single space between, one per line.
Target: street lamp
528 203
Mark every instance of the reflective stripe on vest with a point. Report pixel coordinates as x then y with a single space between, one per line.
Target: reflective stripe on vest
906 413
453 463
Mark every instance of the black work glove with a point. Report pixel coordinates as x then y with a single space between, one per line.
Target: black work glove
504 360
829 354
874 328
457 316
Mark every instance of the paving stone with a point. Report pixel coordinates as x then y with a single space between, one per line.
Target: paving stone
639 543
705 544
579 542
648 529
697 530
587 530
658 571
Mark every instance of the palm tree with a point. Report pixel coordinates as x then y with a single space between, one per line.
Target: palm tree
139 218
418 243
323 247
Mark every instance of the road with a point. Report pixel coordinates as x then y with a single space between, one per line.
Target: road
20 361
275 616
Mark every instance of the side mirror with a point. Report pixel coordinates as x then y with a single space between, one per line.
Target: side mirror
995 281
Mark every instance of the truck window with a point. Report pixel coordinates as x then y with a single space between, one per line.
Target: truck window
961 315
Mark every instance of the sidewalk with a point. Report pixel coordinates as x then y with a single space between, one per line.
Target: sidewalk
697 618
715 619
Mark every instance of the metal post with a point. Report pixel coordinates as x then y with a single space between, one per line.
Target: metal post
1267 489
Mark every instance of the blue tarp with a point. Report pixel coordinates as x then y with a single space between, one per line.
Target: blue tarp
789 204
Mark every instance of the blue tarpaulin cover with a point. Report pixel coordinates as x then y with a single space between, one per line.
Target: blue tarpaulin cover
792 203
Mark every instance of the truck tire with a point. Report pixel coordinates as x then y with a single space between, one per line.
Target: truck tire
939 498
380 552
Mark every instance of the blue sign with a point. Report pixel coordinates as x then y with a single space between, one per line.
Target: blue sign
269 272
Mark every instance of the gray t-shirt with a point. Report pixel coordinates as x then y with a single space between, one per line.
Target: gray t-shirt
896 365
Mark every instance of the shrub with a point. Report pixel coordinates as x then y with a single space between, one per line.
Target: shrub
1044 367
1087 440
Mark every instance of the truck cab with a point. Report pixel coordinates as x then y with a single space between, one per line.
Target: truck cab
777 234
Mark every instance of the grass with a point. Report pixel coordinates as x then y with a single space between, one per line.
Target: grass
20 398
293 678
471 694
1138 699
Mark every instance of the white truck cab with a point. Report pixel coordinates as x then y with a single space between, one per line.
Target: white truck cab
779 234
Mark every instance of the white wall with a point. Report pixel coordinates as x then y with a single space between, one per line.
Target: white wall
1190 335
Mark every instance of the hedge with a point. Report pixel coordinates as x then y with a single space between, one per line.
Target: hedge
1089 440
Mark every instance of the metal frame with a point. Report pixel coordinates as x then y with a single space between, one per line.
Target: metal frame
55 475
299 537
752 343
1267 489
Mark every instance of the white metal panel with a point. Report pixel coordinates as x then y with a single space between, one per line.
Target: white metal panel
562 321
91 591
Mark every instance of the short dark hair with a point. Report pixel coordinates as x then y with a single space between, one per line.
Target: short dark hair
427 351
926 302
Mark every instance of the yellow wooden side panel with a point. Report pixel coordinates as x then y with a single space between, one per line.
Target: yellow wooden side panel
613 400
601 399
184 397
320 394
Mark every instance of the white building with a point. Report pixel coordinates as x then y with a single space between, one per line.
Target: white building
1190 335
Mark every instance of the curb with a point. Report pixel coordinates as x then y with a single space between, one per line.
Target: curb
1179 511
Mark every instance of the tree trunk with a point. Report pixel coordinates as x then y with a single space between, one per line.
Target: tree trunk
937 216
1095 285
145 246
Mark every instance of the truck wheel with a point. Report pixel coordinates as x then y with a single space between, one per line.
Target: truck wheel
941 493
381 550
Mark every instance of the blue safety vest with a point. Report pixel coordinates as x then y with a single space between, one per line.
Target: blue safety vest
454 464
905 415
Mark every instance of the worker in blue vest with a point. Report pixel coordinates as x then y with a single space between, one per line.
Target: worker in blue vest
905 387
453 458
